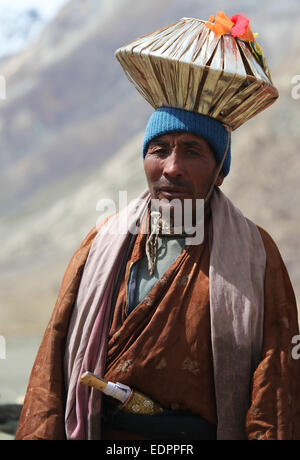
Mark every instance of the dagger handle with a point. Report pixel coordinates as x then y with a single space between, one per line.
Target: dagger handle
91 380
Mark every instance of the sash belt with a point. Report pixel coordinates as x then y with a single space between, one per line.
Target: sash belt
166 425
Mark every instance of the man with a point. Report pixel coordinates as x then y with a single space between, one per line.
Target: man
202 333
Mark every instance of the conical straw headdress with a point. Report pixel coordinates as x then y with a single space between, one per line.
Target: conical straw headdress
186 65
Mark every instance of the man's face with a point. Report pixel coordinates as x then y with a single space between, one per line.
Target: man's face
180 166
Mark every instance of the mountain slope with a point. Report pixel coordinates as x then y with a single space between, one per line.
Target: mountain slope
71 134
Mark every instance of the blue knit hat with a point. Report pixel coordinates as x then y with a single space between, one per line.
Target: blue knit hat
167 120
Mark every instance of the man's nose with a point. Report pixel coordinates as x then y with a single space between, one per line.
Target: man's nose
173 164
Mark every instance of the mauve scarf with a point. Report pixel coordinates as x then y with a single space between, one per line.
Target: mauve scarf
236 276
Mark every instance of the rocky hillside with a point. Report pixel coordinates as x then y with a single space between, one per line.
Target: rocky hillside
71 132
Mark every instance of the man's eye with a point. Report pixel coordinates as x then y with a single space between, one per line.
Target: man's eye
160 151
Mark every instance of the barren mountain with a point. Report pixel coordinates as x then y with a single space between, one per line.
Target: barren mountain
71 134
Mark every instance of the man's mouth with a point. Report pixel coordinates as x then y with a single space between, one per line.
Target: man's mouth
173 192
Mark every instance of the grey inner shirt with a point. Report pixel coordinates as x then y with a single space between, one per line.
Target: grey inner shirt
168 249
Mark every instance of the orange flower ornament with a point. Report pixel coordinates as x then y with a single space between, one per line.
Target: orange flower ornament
238 25
220 24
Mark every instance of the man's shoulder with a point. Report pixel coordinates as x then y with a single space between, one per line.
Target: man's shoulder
89 237
278 281
274 257
93 233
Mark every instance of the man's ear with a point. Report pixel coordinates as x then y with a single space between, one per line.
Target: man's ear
220 179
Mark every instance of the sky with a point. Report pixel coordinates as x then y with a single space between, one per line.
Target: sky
47 7
19 27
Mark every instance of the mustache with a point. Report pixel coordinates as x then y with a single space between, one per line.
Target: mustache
181 184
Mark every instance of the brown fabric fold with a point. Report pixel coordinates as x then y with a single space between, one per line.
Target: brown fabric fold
275 404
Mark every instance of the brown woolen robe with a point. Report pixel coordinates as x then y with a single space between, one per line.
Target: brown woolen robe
274 413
